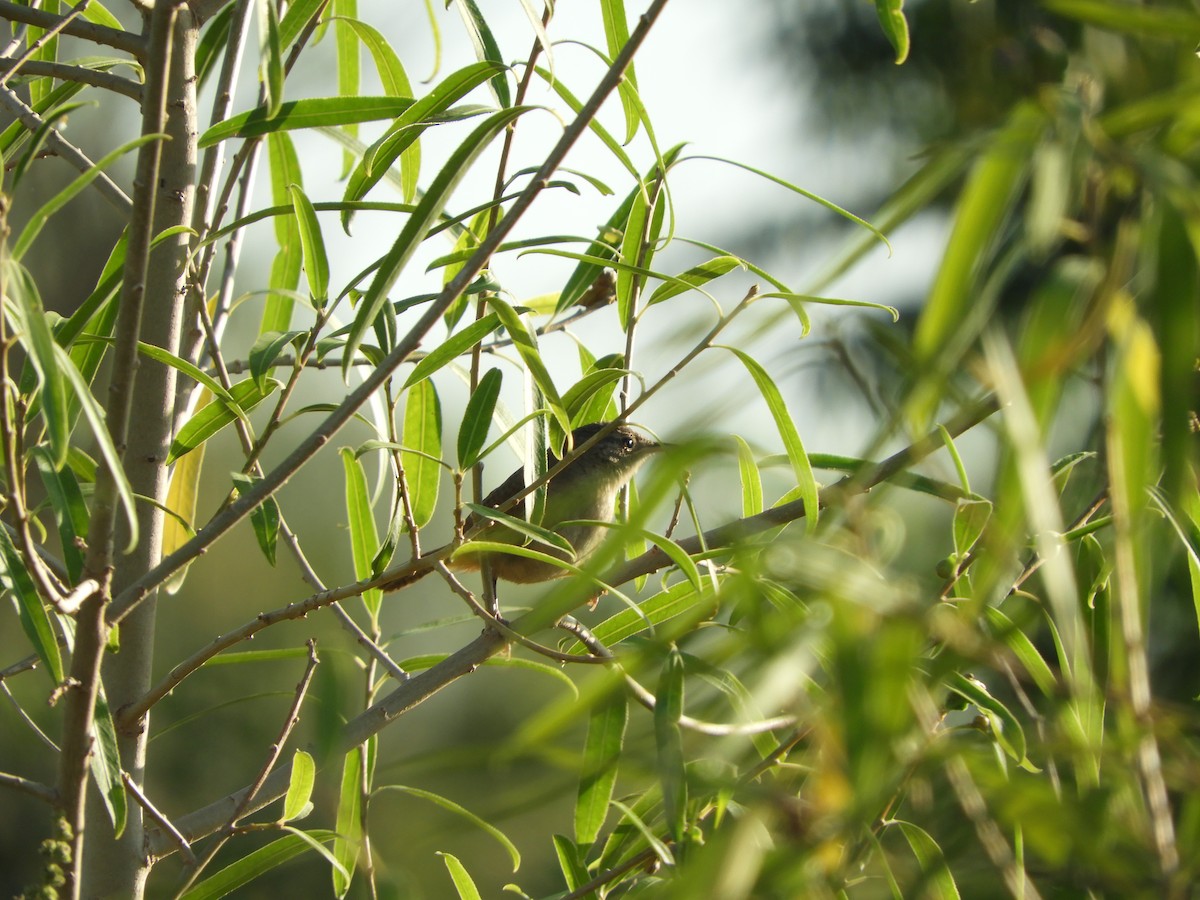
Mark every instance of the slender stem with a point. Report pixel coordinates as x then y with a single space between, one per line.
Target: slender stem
128 41
64 148
78 74
32 788
91 630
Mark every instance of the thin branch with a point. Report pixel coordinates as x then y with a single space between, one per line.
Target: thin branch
276 749
47 35
713 729
235 512
131 43
64 148
81 74
32 788
163 822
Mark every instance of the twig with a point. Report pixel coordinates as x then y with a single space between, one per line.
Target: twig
135 593
713 729
47 35
80 74
500 625
33 726
64 148
276 749
163 822
32 788
131 43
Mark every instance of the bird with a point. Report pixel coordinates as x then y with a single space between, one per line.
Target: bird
586 488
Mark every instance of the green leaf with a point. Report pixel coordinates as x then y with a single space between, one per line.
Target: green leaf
695 277
255 864
212 418
267 349
599 765
895 26
298 15
1005 726
678 600
570 861
805 481
285 270
616 34
311 113
70 509
462 879
298 800
33 331
104 443
452 348
584 400
264 518
477 418
348 842
970 519
668 709
316 263
936 877
423 438
30 611
105 763
752 492
364 539
271 51
403 134
526 344
462 812
521 526
485 46
419 223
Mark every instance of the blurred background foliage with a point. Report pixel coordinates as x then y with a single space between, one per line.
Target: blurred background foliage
990 679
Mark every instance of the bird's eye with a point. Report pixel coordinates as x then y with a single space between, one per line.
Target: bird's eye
630 443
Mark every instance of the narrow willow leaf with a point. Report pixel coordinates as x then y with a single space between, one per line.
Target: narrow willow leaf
1024 650
316 263
580 398
183 494
105 763
679 600
526 344
795 299
695 277
462 812
970 519
211 44
30 611
805 480
266 351
752 492
33 332
570 862
991 190
486 48
348 842
936 877
404 133
364 539
271 51
1005 726
208 421
599 765
610 142
452 348
422 437
477 418
300 785
668 709
112 459
298 15
312 113
616 34
419 223
285 270
894 25
461 877
521 526
264 518
255 864
391 71
70 509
